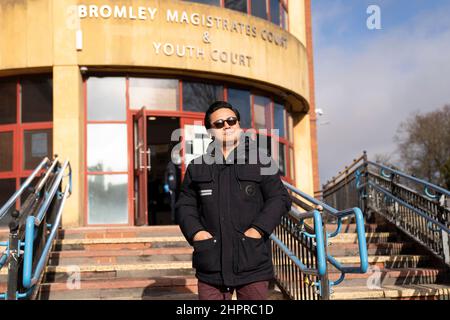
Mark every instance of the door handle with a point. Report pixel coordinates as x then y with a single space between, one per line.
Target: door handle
143 153
149 153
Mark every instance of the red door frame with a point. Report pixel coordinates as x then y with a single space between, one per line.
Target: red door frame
141 168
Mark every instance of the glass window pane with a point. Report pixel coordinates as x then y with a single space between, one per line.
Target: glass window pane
6 151
291 157
154 94
106 99
37 145
37 100
210 2
264 144
108 199
199 96
238 5
275 11
284 19
282 159
240 99
8 102
260 107
279 118
7 188
259 8
290 128
107 148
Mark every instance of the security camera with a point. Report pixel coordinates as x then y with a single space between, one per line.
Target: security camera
319 112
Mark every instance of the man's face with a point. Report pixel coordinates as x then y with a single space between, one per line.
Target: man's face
229 133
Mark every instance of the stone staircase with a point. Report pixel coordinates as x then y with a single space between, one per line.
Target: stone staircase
119 263
399 267
155 263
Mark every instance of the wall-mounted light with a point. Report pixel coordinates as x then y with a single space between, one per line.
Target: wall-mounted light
152 118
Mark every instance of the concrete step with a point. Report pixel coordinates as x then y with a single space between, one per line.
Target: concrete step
405 292
120 243
388 248
379 277
119 232
351 228
392 261
114 271
83 257
150 293
126 287
371 237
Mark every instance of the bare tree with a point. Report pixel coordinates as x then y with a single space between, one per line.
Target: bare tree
423 142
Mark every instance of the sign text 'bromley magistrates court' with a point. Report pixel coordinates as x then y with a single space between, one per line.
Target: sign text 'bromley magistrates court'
205 21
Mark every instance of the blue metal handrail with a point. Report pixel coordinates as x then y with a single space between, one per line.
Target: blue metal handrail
35 221
429 219
339 215
30 278
427 185
320 244
22 188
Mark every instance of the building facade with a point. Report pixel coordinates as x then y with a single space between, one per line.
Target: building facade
106 83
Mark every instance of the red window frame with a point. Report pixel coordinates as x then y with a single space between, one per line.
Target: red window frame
129 123
18 129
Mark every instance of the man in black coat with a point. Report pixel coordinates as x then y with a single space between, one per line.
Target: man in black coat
229 205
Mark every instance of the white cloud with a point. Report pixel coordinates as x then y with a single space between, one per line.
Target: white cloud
367 91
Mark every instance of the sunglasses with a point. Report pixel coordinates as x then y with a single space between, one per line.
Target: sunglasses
219 124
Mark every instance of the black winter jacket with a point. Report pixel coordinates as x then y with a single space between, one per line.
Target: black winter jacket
225 200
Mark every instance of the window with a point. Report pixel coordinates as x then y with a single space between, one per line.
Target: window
37 145
198 96
104 153
261 108
279 118
25 128
238 5
154 94
290 124
275 11
108 198
210 2
7 189
8 102
37 100
240 99
6 151
282 159
284 18
107 151
106 99
259 8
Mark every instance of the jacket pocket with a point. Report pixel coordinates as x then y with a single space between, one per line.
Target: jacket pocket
206 256
252 253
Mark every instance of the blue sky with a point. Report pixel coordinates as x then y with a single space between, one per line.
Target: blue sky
369 81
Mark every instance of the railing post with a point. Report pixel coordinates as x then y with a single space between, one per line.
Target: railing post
324 280
365 191
14 252
445 203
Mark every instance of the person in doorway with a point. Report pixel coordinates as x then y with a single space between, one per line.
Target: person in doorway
227 209
171 178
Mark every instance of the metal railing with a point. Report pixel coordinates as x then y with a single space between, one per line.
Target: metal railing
300 252
33 227
418 208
